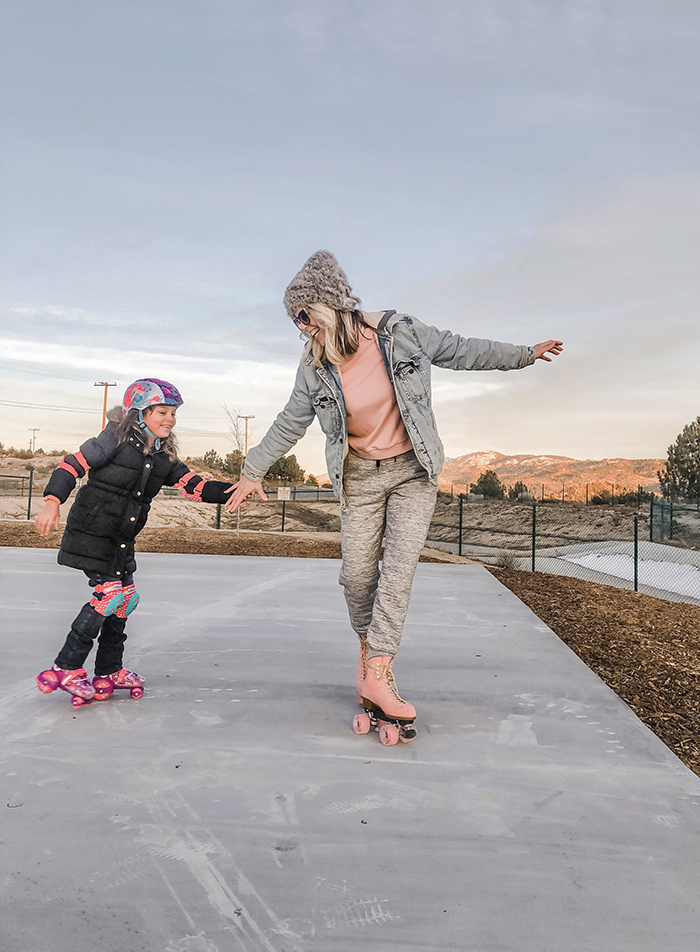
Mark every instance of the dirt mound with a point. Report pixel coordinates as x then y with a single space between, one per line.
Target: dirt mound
191 541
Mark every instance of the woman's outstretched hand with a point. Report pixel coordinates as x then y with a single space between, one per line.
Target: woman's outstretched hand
242 490
548 347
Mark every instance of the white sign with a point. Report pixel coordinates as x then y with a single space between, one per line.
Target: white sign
284 492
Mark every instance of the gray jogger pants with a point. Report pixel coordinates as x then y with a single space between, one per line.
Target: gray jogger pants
391 499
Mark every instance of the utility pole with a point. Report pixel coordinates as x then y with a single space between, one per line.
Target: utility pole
103 383
32 441
243 416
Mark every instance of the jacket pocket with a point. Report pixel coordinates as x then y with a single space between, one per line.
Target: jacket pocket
326 409
411 379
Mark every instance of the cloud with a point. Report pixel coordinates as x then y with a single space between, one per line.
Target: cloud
74 315
619 283
637 251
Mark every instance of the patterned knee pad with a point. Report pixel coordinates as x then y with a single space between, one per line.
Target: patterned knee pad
108 598
131 600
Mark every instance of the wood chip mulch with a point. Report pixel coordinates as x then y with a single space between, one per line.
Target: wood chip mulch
646 649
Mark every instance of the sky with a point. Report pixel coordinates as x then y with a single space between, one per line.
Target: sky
518 170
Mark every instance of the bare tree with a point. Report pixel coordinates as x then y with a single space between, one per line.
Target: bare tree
236 430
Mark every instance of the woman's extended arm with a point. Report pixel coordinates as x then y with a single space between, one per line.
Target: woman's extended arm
454 352
286 431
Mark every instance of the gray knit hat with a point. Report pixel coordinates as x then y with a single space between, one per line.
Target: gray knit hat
320 281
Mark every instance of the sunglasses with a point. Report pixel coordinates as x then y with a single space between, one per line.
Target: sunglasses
302 319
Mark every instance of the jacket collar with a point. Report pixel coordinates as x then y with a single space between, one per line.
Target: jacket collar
378 319
139 442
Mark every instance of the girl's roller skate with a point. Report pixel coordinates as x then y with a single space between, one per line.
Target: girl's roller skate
74 682
107 684
385 711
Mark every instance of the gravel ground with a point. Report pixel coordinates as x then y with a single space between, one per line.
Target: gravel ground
646 649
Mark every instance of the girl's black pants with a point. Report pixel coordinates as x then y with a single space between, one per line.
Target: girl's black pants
90 624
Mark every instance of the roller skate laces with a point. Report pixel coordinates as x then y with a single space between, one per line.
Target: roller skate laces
107 684
74 682
361 675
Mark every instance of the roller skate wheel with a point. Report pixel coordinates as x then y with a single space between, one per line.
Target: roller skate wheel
361 724
136 693
389 734
103 688
47 681
80 701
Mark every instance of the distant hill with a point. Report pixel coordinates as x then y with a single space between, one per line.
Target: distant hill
552 471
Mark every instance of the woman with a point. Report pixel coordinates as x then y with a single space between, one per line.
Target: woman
366 376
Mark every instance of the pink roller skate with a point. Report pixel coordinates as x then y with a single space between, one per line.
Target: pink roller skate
74 682
126 680
385 711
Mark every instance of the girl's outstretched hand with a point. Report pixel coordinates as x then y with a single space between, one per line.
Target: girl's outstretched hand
548 347
242 490
48 517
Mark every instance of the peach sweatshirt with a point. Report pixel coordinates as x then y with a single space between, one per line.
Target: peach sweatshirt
375 427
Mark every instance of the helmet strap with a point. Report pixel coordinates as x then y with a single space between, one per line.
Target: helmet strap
143 426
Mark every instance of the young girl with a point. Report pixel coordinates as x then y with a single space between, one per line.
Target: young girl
366 376
126 465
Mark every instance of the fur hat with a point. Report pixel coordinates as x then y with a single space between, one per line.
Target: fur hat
320 281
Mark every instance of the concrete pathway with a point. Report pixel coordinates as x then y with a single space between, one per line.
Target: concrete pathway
232 807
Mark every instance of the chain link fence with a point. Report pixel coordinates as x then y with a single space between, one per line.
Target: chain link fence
654 549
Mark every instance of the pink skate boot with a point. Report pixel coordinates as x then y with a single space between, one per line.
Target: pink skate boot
385 710
74 682
107 684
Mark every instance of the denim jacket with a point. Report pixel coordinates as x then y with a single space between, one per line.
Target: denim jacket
409 348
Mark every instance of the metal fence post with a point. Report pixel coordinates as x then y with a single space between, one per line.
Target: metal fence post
670 521
284 505
636 553
29 502
651 518
218 515
534 533
461 512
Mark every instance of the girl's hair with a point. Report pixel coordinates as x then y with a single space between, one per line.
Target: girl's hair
342 331
128 425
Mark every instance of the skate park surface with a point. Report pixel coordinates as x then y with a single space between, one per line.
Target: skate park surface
233 808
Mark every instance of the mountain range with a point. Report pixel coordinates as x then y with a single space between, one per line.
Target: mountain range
546 475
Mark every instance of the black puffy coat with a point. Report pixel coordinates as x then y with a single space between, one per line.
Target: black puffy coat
112 508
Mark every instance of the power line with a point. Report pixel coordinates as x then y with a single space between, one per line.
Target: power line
45 373
46 406
188 429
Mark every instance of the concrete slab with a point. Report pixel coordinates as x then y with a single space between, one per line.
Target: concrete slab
233 808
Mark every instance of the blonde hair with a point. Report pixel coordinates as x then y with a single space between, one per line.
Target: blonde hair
342 331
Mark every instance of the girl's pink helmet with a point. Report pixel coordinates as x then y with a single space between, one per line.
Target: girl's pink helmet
150 392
